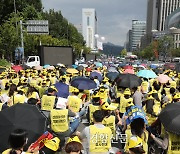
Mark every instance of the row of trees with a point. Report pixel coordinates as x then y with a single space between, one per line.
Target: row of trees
163 47
61 32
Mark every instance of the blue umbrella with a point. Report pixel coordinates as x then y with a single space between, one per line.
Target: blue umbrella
146 74
94 74
83 83
74 66
112 75
98 64
63 89
46 66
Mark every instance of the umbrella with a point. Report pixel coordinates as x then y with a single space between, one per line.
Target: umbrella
88 69
46 66
38 67
146 74
112 69
63 89
128 67
74 66
170 116
130 71
72 70
84 65
94 74
83 83
163 78
22 116
50 68
112 75
61 65
80 68
17 68
98 64
2 69
128 80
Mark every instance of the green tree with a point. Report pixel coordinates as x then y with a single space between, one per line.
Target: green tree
9 39
7 7
123 53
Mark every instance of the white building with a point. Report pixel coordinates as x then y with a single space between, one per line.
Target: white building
89 27
138 30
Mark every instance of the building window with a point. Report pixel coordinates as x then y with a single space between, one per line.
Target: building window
88 21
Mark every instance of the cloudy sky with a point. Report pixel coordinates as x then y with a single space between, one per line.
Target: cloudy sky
114 16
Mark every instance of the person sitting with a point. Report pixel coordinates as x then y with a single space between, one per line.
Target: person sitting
17 140
73 145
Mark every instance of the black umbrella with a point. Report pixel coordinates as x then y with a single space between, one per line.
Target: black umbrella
2 69
22 116
112 75
170 116
80 68
128 81
83 83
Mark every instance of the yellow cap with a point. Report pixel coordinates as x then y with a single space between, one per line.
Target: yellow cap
53 87
74 139
75 90
106 106
52 144
134 142
95 95
177 96
127 91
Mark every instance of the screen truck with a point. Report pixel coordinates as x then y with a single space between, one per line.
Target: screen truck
52 55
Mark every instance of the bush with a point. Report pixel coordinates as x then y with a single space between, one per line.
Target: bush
4 62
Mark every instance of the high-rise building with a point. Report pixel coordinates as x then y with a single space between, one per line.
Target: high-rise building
138 30
89 27
128 45
158 11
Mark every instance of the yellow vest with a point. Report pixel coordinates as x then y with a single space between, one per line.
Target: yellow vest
151 118
110 122
124 103
174 144
1 104
145 86
15 81
47 102
92 109
19 99
100 139
173 84
53 80
157 107
59 120
167 91
74 103
33 95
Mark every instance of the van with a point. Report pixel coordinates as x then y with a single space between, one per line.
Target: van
176 59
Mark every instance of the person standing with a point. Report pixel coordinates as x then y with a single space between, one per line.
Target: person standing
98 136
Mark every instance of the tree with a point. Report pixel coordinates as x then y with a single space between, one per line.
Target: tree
7 7
9 39
123 53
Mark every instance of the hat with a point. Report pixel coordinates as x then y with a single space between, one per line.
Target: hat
106 106
54 88
127 91
134 142
177 96
75 90
95 95
52 144
74 139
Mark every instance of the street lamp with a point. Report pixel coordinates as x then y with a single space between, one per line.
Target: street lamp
99 42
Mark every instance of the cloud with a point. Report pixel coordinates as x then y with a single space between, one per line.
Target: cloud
114 16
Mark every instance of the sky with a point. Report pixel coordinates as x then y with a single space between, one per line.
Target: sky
114 16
